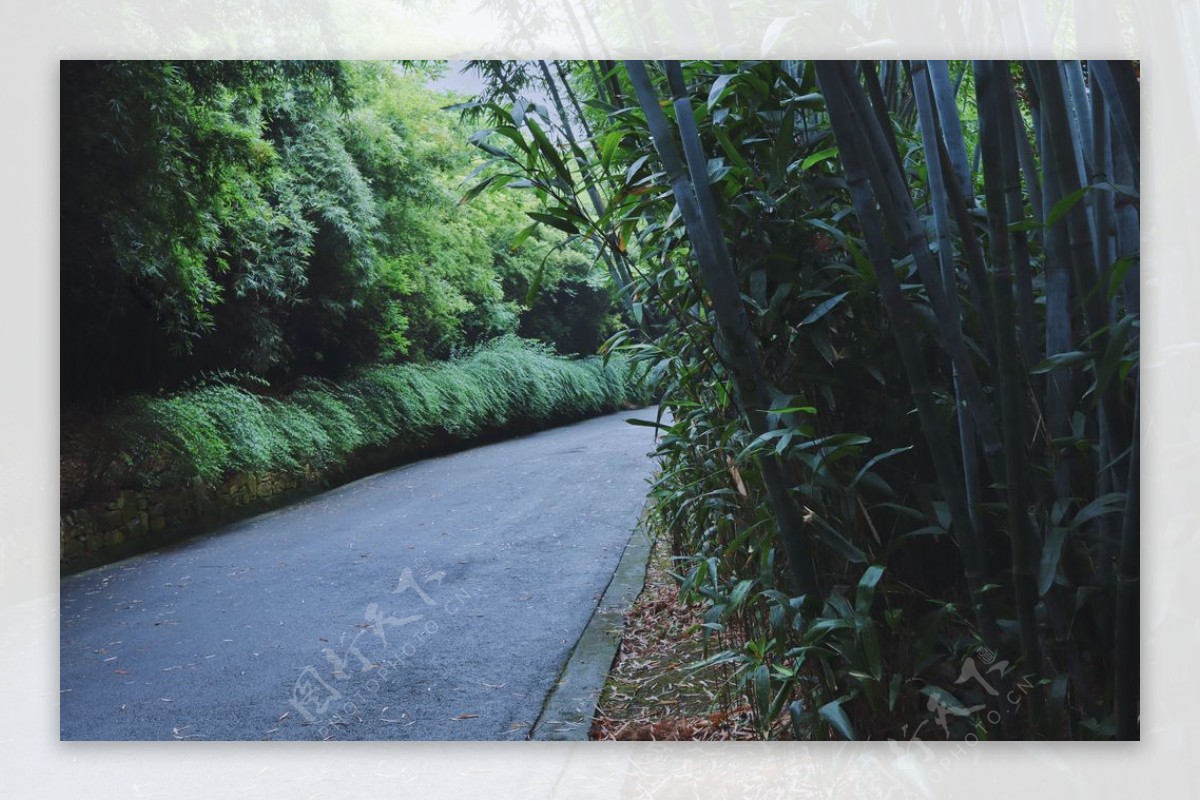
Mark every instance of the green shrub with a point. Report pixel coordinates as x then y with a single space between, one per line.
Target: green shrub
221 429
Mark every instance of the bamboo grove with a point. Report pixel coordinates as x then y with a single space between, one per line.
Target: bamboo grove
891 311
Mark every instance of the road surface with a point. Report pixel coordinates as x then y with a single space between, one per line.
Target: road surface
436 601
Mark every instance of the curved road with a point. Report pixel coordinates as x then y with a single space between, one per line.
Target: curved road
436 601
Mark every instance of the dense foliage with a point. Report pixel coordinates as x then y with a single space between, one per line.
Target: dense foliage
892 310
218 429
286 220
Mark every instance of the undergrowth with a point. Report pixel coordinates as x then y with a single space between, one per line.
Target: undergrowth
216 430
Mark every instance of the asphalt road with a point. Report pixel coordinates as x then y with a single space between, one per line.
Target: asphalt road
436 601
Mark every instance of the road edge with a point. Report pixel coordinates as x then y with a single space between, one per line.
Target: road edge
568 710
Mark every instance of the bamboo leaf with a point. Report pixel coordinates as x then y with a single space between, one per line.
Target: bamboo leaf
1064 205
822 310
633 168
834 539
796 716
740 592
864 595
491 149
634 421
1051 554
718 88
874 460
1118 271
535 286
475 190
833 714
819 156
520 238
549 152
609 147
1104 505
557 222
513 135
1061 360
762 693
1113 351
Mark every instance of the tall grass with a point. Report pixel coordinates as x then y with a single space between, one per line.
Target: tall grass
218 430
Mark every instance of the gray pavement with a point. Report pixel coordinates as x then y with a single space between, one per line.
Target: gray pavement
436 601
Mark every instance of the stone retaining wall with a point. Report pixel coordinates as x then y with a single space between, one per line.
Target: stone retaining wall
138 520
135 517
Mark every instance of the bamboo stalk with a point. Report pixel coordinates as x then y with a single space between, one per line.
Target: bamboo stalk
1119 84
1051 91
1033 178
740 350
1080 106
1022 269
943 95
993 111
940 201
901 219
851 146
977 277
1128 233
881 107
1057 271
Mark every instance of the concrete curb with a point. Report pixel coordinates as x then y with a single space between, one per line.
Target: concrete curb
569 708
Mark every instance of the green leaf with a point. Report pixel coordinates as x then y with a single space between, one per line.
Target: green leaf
835 441
894 690
475 190
823 309
943 697
718 88
1104 505
759 441
1051 554
1064 205
762 693
535 286
520 238
491 149
549 152
609 147
1060 360
731 151
740 592
875 460
834 539
556 222
513 135
1022 226
633 421
1118 337
796 715
1118 271
833 714
634 167
819 156
864 595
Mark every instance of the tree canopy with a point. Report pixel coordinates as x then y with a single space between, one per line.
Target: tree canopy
287 219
